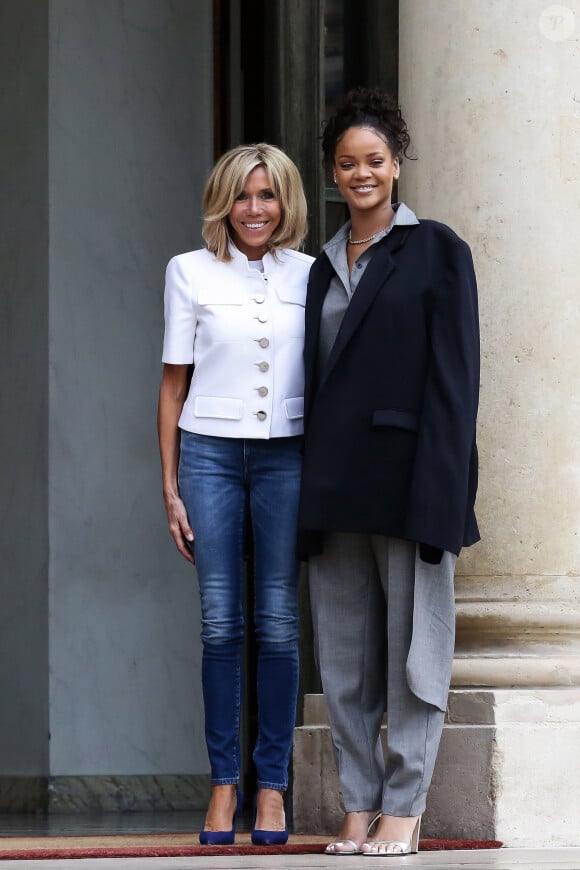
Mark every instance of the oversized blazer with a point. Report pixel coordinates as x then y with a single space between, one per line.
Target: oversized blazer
390 423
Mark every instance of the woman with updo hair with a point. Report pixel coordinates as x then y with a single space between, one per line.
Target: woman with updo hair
389 474
230 442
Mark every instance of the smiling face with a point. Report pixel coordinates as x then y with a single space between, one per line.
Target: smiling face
255 215
365 170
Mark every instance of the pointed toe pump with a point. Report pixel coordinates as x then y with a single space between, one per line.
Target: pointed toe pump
268 838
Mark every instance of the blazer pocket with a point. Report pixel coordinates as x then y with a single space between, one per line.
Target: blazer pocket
294 408
397 418
218 407
294 295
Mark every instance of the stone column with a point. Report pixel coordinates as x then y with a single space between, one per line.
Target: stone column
105 145
490 93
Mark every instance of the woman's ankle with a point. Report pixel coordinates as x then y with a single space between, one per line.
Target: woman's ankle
270 813
395 827
221 808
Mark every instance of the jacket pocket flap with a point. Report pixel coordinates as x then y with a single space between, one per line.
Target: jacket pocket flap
397 418
294 408
295 295
219 407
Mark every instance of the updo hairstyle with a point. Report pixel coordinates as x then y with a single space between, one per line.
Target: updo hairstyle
366 107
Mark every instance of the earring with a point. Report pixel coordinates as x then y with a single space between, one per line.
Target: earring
334 178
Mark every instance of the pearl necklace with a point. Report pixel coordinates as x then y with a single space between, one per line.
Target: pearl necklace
368 238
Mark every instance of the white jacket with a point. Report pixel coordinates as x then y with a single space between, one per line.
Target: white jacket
243 330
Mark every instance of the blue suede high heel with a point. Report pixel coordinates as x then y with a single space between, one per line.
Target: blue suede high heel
223 838
267 838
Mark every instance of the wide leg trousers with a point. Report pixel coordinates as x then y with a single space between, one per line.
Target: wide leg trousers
384 637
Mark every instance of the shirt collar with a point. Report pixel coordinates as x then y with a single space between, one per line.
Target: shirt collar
403 217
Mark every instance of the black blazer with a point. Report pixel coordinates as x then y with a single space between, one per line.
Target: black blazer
389 443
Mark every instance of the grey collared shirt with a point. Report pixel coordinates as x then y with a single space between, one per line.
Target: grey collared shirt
343 284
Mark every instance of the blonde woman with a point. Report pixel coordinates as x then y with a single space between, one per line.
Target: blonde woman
230 443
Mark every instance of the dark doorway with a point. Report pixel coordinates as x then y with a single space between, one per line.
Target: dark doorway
246 53
279 66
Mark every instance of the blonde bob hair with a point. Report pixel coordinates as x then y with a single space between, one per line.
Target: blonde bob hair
227 181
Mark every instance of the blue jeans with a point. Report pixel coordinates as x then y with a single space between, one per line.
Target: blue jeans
217 477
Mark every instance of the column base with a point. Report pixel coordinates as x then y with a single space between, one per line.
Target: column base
102 794
508 769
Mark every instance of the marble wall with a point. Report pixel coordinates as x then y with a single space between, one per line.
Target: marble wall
110 186
130 124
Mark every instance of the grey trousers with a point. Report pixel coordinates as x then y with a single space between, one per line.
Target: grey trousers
384 630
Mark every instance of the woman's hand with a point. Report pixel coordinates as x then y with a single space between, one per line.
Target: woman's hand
179 527
172 395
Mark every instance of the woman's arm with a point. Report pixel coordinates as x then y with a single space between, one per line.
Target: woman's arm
172 395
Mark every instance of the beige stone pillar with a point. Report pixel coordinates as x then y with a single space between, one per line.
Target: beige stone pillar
491 92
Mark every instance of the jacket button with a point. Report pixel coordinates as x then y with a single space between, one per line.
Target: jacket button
264 366
262 318
264 342
259 298
262 391
261 415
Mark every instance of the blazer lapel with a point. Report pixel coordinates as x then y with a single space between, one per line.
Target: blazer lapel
377 273
318 283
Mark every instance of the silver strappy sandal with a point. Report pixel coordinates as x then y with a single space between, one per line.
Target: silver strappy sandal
392 848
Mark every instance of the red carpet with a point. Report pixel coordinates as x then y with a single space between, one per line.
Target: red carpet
181 846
